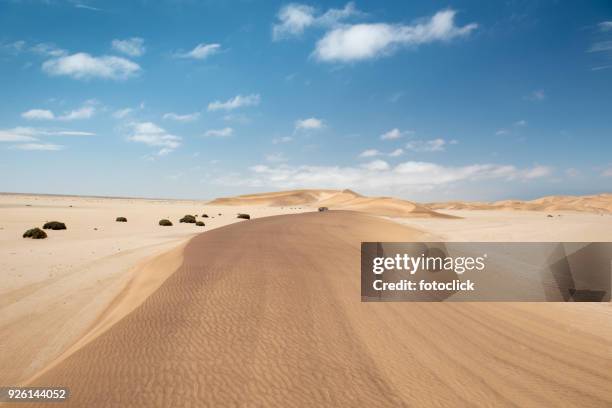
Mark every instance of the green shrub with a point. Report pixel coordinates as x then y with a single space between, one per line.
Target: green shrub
54 225
244 216
190 219
121 219
165 223
35 233
200 224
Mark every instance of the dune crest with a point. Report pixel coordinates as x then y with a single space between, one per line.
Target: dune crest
600 203
336 200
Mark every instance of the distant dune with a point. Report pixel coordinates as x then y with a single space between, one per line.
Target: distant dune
335 200
600 203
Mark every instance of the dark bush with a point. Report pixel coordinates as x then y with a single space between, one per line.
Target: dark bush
121 219
190 219
220 214
35 233
244 216
54 225
165 223
200 224
323 208
204 215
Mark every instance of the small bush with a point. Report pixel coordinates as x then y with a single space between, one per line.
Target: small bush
165 223
200 224
54 225
244 216
323 209
204 215
121 219
220 214
35 233
190 219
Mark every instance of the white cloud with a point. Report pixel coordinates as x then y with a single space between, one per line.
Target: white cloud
537 95
605 25
396 153
607 172
200 51
309 124
225 132
407 176
521 122
370 153
376 165
284 139
38 146
236 102
392 134
536 172
84 112
188 117
38 114
29 134
150 134
84 66
48 50
365 41
276 158
133 47
601 46
435 145
502 132
122 113
18 134
294 18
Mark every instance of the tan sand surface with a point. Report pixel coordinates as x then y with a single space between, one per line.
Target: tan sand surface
516 225
600 203
268 313
54 290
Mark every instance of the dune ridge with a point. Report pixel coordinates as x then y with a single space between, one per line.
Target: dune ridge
268 313
335 200
599 203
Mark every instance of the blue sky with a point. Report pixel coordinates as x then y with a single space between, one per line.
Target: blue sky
423 100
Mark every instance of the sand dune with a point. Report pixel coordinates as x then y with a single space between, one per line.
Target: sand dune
601 203
268 313
336 200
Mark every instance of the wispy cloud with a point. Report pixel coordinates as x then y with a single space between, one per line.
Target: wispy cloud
133 47
294 18
225 132
236 102
276 158
394 134
536 96
380 176
84 112
357 42
434 145
84 66
122 113
284 139
188 117
309 124
200 51
150 134
38 147
605 26
396 152
370 153
48 50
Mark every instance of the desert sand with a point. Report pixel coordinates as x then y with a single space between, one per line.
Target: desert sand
54 290
268 312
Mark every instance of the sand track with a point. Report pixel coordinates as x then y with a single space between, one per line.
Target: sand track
267 313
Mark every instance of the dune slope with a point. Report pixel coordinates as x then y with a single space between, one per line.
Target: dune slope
268 313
